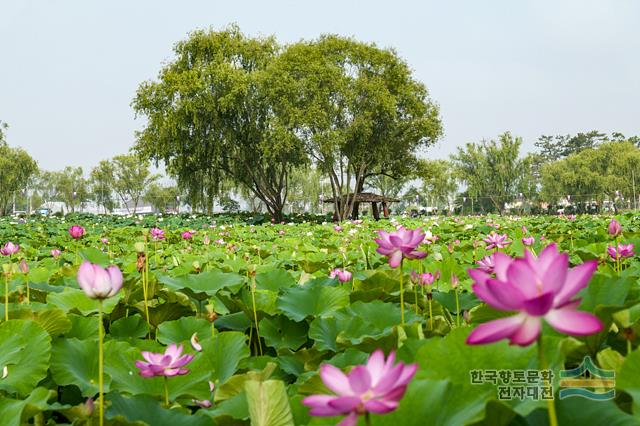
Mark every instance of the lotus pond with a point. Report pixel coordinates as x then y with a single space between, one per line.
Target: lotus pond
434 321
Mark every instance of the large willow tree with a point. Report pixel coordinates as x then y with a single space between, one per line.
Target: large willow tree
210 119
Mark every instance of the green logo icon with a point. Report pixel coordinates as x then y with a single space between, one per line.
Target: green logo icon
588 381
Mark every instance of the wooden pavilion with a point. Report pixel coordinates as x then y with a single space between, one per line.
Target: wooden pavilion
367 197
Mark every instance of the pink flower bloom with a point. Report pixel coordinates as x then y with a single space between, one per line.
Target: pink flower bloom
105 241
494 240
76 231
168 364
24 268
187 235
97 282
423 279
623 250
487 264
9 249
55 253
376 387
157 234
400 244
206 240
537 288
571 217
343 275
454 281
528 241
614 228
337 228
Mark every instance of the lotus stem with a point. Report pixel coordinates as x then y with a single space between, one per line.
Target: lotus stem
401 294
100 365
367 419
6 296
457 308
255 313
430 311
166 391
551 408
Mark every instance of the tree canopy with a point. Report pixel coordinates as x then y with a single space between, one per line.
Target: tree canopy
210 118
230 106
610 170
493 171
357 109
16 169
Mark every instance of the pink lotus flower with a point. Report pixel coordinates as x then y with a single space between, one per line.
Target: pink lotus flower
24 268
400 244
168 364
206 240
623 250
344 276
337 228
9 249
423 279
55 253
376 387
97 282
497 241
454 281
537 288
571 217
487 264
528 241
614 228
187 235
76 231
157 234
105 241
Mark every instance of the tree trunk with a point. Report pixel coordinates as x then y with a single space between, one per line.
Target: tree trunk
374 211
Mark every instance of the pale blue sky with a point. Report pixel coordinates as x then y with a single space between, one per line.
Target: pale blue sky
69 69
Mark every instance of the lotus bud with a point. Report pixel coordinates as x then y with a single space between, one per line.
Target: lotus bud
195 343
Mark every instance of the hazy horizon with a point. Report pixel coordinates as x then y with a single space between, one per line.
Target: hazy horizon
70 68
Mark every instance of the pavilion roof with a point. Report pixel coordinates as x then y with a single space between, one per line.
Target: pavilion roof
365 197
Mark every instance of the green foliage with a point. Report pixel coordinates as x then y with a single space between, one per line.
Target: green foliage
493 171
162 198
357 109
25 348
438 181
16 168
594 173
210 117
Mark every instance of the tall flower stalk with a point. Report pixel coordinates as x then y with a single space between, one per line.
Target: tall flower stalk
397 246
168 364
252 274
99 283
536 289
551 408
8 250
